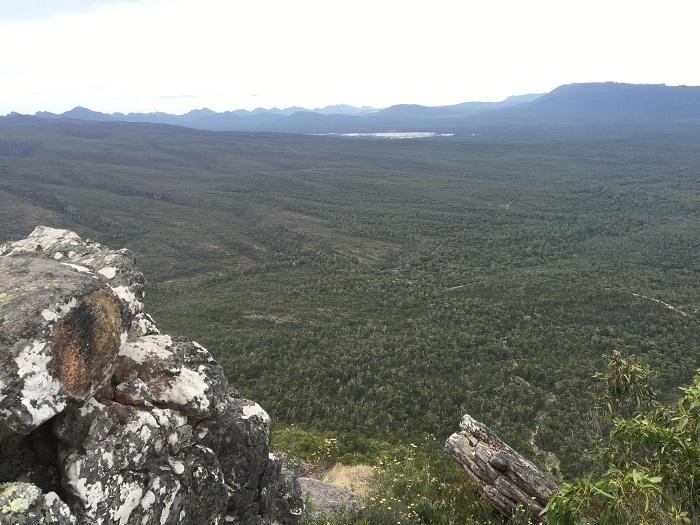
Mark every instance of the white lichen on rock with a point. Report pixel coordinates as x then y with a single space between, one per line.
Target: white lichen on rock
41 392
108 271
256 410
131 494
187 388
42 238
177 466
153 434
77 267
22 503
147 347
127 295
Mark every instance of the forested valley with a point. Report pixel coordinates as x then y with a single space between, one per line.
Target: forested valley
372 291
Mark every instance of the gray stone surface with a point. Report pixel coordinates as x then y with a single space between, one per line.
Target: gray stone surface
325 499
103 420
507 478
289 503
240 437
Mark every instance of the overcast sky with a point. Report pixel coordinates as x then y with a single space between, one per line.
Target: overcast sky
175 55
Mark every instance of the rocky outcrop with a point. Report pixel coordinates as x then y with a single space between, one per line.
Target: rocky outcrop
103 419
507 478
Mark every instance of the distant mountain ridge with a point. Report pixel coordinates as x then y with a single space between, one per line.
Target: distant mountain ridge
339 117
610 102
82 113
571 104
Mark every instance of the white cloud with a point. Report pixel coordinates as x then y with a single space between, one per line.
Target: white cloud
15 10
141 56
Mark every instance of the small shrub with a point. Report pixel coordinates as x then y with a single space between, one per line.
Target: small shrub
654 458
418 486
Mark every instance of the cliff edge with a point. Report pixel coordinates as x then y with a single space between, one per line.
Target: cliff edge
105 420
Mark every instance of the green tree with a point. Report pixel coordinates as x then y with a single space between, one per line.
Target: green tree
627 385
653 457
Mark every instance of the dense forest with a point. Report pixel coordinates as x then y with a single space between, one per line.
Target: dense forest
375 290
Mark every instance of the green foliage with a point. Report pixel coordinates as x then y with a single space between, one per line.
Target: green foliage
619 497
303 444
654 458
627 384
418 486
348 448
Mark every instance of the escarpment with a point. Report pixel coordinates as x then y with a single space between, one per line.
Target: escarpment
103 419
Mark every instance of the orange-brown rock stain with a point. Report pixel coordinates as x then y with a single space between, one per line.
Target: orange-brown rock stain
86 341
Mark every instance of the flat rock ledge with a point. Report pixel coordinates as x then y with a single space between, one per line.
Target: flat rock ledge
105 420
325 499
506 477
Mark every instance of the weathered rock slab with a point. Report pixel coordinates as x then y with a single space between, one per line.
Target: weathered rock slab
325 499
508 479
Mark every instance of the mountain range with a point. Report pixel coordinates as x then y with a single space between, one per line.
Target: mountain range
570 105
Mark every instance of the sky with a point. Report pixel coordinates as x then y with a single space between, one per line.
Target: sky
177 55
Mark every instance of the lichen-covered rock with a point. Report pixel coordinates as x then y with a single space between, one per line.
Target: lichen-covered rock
26 504
124 464
289 503
133 392
240 437
103 420
115 267
507 478
294 464
178 373
60 331
66 307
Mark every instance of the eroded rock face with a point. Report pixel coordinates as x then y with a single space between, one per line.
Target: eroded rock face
240 438
507 478
103 420
60 332
124 464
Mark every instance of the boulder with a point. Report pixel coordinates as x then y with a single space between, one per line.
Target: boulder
60 332
103 419
178 373
507 478
325 499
